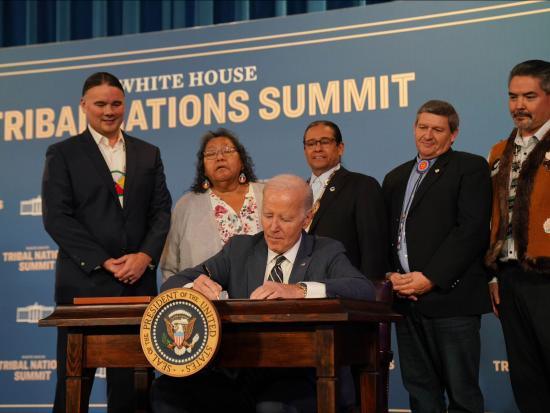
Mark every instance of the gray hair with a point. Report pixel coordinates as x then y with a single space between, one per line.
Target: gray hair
288 182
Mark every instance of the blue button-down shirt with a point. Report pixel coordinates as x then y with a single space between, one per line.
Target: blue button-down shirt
415 179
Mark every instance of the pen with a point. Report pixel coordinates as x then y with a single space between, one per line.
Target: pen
223 294
206 271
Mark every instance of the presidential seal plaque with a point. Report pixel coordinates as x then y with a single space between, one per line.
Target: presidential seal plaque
180 332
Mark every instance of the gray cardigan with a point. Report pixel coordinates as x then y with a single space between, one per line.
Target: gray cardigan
194 235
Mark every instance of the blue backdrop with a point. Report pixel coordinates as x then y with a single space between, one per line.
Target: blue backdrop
265 80
24 22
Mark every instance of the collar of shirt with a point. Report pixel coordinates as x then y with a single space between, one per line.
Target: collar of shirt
415 174
534 138
290 256
323 178
413 183
430 161
103 140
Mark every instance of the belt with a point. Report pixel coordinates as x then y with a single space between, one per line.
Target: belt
508 263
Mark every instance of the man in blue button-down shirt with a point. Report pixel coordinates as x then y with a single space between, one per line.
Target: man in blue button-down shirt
439 209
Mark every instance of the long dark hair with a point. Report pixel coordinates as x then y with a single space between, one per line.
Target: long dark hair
246 161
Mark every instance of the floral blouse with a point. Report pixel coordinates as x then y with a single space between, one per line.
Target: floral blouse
247 221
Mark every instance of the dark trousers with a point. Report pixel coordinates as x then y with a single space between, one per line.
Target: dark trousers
525 316
120 382
246 390
438 356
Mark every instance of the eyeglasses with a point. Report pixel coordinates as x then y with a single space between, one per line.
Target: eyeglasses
212 154
312 143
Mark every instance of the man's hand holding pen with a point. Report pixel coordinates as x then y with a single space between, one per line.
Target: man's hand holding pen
210 288
206 285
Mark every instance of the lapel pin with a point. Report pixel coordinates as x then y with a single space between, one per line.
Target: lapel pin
437 171
332 189
303 264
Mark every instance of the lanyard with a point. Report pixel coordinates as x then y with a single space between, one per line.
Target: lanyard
421 168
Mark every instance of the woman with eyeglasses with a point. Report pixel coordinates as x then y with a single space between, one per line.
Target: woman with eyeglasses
224 200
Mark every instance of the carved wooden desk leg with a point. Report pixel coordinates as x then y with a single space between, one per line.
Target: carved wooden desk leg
78 384
369 391
375 382
381 380
326 371
374 377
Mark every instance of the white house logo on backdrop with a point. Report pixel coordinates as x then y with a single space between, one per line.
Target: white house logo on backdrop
33 258
32 313
32 367
31 207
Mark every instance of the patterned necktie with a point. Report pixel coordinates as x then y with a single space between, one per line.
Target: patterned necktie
276 274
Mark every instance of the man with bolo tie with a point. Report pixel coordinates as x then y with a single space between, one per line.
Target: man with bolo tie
439 208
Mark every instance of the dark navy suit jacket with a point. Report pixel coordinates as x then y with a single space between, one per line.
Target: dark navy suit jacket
240 268
352 211
83 215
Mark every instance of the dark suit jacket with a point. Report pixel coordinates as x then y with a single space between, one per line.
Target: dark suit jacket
240 268
81 212
447 232
353 213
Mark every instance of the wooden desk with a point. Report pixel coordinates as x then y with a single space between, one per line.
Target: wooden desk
321 333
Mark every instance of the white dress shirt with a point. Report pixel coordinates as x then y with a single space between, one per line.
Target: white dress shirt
115 157
314 289
319 183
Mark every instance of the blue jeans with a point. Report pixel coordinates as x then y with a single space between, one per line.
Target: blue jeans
438 356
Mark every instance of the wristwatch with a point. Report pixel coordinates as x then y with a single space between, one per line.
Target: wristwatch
303 286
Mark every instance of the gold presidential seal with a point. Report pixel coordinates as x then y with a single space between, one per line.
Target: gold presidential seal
180 332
